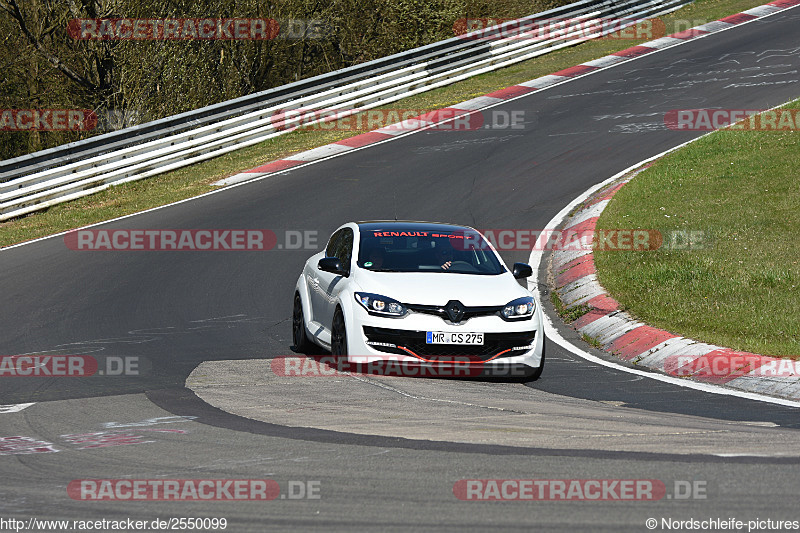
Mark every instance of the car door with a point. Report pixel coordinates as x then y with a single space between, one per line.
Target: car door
332 284
319 279
324 287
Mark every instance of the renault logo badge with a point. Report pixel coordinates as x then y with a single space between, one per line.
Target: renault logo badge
455 310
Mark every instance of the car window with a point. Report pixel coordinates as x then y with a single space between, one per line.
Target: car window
410 250
329 250
343 247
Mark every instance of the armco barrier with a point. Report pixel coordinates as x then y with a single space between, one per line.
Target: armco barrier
39 180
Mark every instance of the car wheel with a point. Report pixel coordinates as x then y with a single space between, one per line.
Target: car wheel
299 337
338 335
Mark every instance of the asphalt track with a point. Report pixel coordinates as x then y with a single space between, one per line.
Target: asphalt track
214 317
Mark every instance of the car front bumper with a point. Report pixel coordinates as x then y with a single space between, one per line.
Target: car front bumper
509 348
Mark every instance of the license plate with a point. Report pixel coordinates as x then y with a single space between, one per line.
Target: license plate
445 337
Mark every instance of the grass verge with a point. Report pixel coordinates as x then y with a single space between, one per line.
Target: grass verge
593 342
741 289
197 179
568 315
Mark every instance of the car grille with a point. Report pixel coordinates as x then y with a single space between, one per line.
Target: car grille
469 312
495 345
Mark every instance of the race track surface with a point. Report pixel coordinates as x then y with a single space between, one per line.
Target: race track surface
386 452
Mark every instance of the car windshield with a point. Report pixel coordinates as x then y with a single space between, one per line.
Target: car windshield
460 251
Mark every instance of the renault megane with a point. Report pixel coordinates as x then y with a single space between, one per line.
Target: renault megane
418 292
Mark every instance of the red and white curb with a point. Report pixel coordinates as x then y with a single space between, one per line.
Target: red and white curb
575 278
515 91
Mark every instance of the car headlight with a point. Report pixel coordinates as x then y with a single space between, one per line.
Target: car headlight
519 309
375 304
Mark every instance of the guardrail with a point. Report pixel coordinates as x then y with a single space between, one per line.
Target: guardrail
39 180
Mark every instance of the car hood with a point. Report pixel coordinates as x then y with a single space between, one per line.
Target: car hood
438 288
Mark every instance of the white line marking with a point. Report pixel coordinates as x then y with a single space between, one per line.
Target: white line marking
14 408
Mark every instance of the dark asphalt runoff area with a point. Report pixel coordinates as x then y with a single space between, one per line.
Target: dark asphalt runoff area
202 327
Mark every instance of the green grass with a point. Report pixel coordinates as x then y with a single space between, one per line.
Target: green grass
592 341
567 314
197 179
741 290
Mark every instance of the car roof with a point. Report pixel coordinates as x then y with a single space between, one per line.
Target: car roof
408 225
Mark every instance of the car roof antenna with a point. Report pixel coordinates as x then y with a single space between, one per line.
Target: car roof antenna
394 201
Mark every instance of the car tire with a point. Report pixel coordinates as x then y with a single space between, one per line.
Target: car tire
299 336
338 335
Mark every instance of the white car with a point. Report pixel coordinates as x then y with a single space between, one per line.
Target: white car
421 293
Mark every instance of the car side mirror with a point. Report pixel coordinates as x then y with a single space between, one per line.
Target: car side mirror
522 270
332 265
